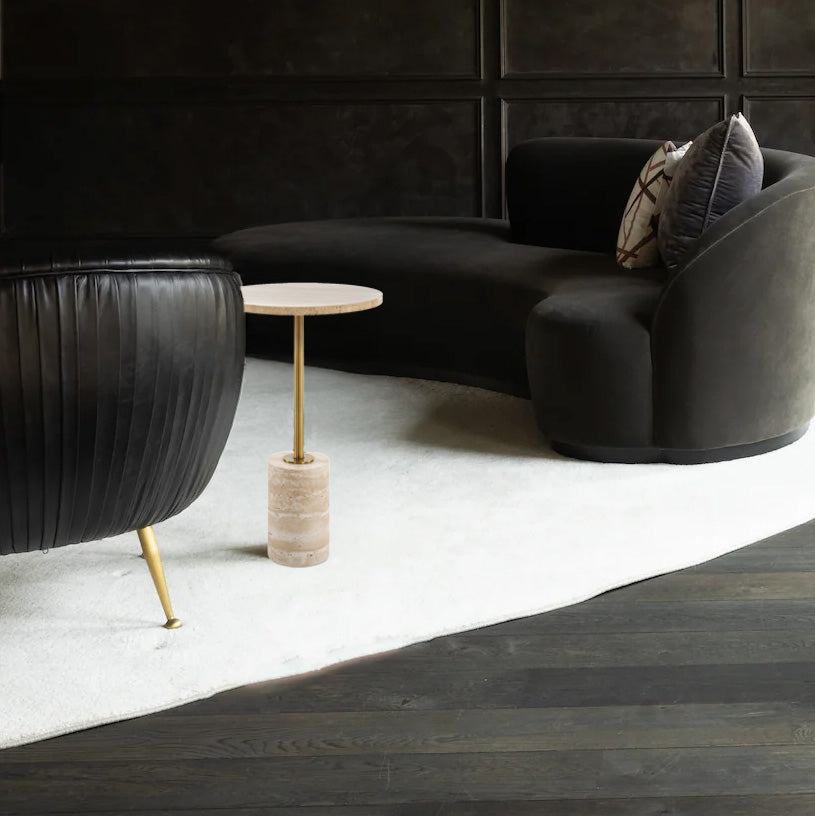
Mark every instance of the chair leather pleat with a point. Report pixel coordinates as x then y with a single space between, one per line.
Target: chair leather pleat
119 380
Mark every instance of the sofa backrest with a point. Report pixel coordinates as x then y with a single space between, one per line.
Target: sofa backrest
780 163
571 192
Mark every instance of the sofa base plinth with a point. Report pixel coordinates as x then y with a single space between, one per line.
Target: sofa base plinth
675 456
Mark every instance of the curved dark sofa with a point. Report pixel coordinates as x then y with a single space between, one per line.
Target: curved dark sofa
622 365
120 370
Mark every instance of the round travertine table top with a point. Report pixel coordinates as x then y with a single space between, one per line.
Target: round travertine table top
308 298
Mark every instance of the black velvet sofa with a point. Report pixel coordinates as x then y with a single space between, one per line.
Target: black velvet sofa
626 366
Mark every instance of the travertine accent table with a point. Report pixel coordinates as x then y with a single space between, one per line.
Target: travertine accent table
298 481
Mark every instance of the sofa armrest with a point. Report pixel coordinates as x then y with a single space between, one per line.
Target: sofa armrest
733 335
571 192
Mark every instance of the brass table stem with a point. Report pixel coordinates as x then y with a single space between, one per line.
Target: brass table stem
299 456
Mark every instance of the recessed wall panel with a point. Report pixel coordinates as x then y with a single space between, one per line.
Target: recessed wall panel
779 37
194 117
297 38
207 169
788 124
629 37
634 118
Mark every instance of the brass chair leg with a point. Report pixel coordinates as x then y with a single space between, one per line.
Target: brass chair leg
150 552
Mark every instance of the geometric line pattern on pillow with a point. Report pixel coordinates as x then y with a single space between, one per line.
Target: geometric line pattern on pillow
637 236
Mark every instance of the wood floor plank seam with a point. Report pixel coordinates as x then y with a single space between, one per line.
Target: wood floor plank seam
598 709
485 808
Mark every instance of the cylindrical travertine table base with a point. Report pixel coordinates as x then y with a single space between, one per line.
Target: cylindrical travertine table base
298 511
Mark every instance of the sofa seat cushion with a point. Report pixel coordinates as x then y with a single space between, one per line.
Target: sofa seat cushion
457 292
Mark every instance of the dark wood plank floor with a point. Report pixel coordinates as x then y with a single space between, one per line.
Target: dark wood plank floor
692 694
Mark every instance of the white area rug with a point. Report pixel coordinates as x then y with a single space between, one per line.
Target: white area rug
448 512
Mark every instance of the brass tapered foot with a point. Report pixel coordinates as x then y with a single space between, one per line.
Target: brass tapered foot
151 555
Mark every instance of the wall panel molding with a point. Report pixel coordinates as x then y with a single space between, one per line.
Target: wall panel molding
285 39
786 122
201 169
783 39
678 118
583 39
315 108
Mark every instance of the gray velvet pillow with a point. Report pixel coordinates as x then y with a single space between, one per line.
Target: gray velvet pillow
722 168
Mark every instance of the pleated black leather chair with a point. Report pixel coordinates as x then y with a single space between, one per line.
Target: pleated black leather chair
120 371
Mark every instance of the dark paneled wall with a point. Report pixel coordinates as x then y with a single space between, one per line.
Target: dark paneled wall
195 117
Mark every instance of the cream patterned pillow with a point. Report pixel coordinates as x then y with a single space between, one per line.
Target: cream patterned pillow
637 238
